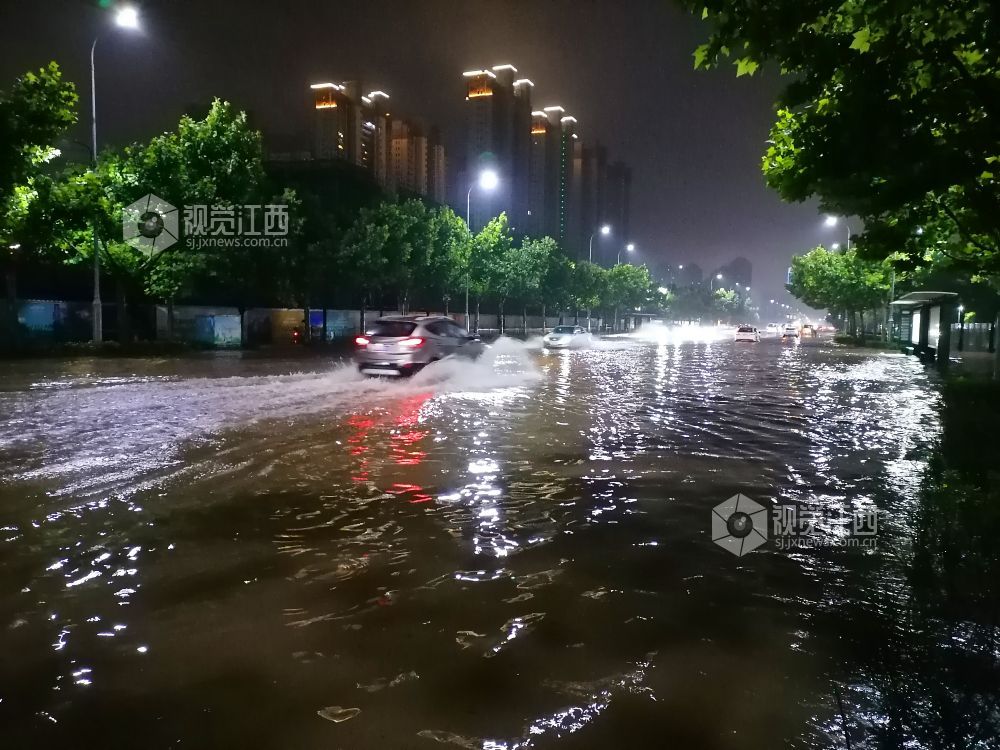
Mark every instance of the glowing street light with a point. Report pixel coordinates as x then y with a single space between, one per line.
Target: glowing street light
630 247
489 179
832 221
127 17
604 230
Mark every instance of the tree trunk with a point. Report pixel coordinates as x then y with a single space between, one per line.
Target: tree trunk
361 318
544 320
306 328
524 320
326 327
576 317
124 332
500 320
10 277
446 300
861 318
170 319
476 330
616 319
996 348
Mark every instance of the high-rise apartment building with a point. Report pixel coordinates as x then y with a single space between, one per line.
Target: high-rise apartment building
375 135
498 132
593 184
618 199
358 129
336 123
409 158
437 168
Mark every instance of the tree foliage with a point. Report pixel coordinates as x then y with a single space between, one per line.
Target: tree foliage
891 113
839 281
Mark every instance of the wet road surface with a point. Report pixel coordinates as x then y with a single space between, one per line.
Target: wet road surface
513 553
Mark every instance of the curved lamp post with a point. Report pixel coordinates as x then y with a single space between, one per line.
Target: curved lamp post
126 18
487 182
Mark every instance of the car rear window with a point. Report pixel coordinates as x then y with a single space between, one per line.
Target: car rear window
563 329
391 328
745 329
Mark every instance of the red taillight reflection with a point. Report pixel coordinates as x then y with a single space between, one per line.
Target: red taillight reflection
361 341
412 343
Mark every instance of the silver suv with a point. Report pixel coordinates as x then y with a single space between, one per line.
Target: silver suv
403 344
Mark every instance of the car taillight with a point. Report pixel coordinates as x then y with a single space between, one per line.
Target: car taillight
414 342
361 341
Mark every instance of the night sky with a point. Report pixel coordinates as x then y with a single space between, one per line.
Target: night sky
624 69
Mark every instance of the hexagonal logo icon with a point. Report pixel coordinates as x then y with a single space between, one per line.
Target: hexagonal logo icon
739 524
150 225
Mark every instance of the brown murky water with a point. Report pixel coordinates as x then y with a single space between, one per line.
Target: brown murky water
514 553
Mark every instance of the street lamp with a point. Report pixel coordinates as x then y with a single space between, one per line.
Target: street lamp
488 181
630 247
832 221
127 17
604 230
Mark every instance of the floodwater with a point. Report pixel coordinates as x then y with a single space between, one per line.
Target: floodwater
227 551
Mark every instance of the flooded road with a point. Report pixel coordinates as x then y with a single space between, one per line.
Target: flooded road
512 553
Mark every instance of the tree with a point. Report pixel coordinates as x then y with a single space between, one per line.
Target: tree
840 281
38 109
445 263
520 273
556 282
891 113
628 287
588 287
489 246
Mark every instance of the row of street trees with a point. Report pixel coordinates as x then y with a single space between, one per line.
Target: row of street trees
891 113
407 252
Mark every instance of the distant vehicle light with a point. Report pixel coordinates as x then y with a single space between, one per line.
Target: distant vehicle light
414 342
361 341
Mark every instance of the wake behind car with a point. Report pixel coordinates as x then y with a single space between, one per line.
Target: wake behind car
404 344
567 337
747 333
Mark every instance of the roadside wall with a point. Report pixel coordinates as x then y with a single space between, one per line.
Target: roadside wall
210 326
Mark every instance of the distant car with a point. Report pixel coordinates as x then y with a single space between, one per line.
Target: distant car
808 330
773 328
567 337
404 344
790 331
747 333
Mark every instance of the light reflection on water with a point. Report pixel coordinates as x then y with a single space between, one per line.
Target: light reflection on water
527 536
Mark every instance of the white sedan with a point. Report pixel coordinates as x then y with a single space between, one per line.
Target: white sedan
567 337
747 333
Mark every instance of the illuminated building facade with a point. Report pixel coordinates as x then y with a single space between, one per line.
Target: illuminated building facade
358 129
498 136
